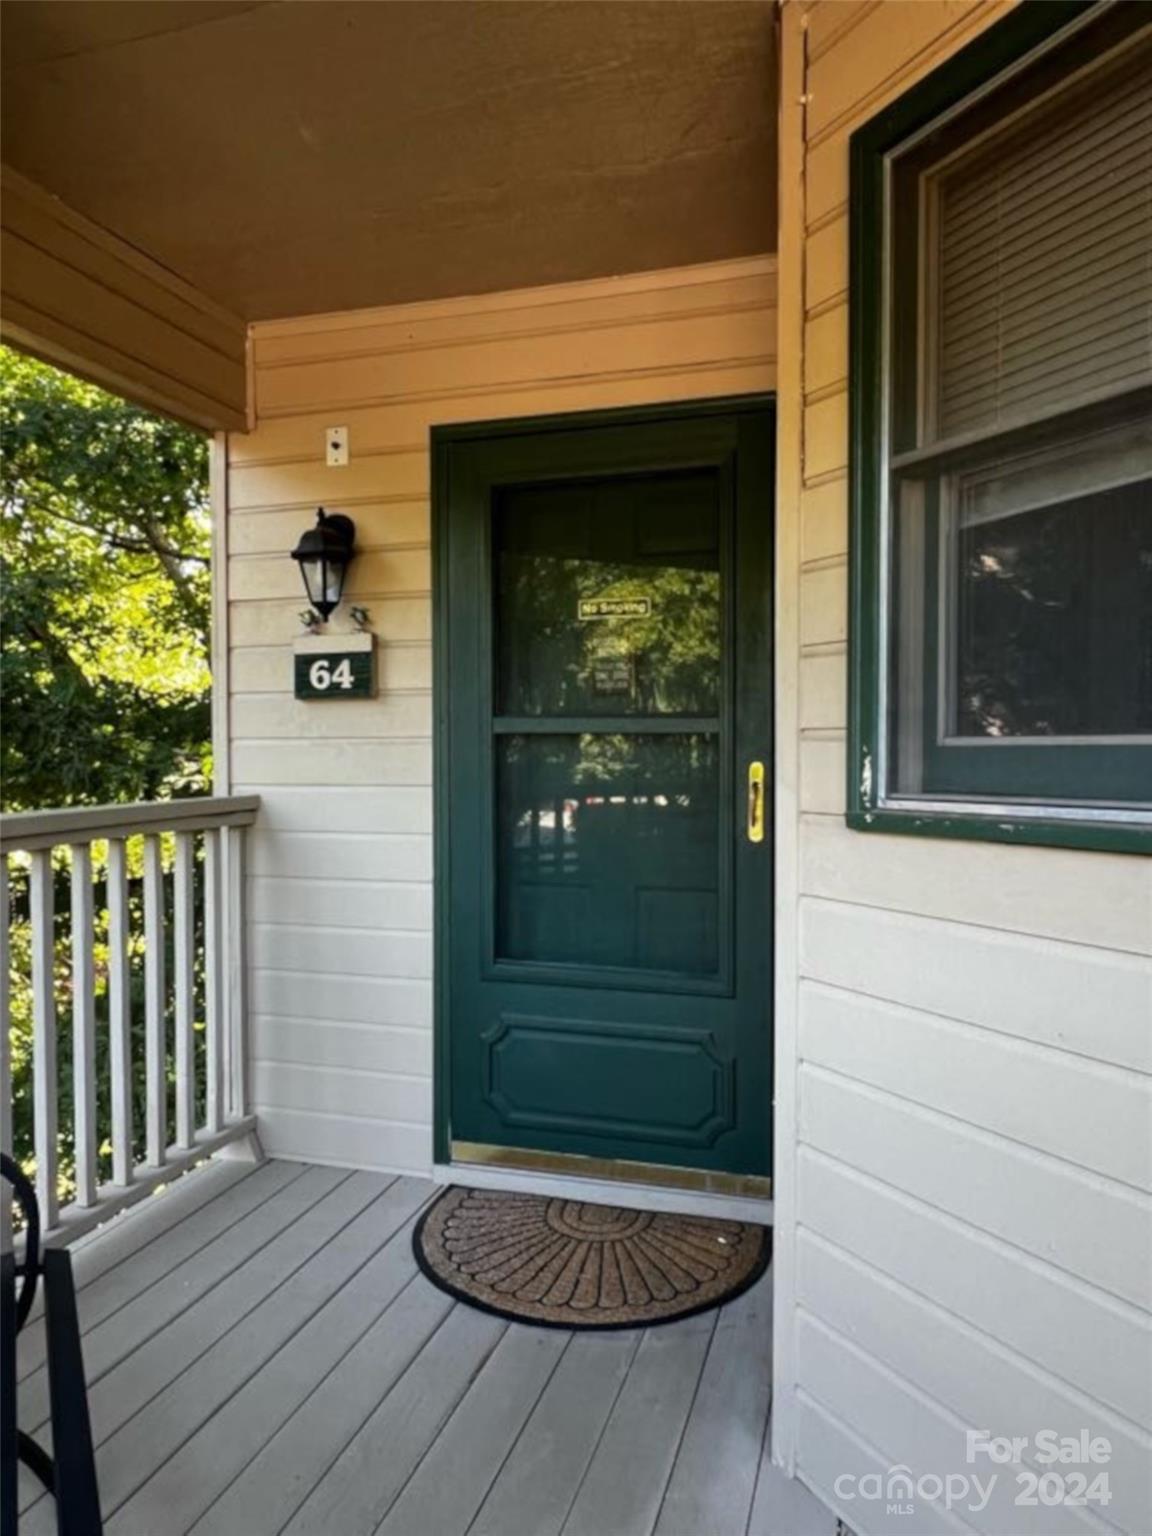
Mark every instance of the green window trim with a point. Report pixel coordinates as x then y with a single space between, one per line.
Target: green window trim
869 808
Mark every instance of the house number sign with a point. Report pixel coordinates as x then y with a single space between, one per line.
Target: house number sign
335 667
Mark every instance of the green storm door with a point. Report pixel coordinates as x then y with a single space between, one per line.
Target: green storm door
603 867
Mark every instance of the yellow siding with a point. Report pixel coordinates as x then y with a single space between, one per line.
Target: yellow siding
962 1088
83 299
344 842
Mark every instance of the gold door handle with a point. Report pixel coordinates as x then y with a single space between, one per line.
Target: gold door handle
755 802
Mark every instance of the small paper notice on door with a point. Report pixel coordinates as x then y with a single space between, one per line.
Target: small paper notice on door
614 608
613 675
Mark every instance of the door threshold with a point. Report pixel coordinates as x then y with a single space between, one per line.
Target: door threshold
603 1191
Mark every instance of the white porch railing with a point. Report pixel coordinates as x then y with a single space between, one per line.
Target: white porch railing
177 864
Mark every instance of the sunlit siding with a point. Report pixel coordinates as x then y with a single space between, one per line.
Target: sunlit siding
341 865
965 1232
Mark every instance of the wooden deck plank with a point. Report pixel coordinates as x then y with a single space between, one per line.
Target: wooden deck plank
188 1482
109 1281
145 1408
536 1486
279 1365
714 1478
450 1484
273 1486
240 1327
365 1480
128 1331
629 1472
784 1507
102 1247
183 1316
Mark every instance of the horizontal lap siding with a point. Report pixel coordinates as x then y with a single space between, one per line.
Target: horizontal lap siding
340 866
972 1196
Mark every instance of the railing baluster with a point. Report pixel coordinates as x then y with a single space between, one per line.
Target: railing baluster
119 1012
237 976
43 1034
83 1027
183 939
214 983
35 836
155 1065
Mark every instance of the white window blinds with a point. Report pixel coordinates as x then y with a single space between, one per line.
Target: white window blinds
1042 259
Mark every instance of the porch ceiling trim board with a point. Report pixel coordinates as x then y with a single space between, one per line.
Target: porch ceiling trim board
490 356
80 297
467 314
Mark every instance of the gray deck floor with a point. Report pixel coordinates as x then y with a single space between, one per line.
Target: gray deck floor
263 1355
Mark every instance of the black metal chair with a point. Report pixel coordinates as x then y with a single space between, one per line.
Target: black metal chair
70 1473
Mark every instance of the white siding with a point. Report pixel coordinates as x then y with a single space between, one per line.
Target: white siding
340 867
964 1233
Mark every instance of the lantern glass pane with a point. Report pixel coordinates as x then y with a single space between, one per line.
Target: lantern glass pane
313 580
333 579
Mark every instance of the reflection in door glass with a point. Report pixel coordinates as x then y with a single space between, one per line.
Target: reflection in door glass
608 597
608 850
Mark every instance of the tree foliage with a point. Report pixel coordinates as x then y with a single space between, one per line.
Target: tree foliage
104 680
104 546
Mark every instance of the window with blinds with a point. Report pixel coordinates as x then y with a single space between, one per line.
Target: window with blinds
1011 509
1043 258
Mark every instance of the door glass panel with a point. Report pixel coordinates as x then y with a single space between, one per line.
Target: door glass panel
608 850
608 597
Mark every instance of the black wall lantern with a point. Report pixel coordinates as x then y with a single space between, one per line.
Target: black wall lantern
324 554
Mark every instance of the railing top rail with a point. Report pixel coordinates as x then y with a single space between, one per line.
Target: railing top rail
25 831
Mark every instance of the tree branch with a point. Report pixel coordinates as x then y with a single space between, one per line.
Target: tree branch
151 544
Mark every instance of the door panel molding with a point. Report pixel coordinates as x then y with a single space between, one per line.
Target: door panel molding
688 1051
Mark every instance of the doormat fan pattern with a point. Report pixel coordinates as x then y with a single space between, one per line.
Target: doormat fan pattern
572 1264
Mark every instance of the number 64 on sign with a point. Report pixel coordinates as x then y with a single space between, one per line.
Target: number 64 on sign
336 668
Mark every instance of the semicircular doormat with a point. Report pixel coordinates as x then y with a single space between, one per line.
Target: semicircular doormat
571 1264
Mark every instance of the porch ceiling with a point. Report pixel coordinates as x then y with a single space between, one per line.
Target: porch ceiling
288 158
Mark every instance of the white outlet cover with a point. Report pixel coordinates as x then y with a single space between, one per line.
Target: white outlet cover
336 446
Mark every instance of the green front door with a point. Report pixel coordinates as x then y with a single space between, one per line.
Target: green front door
604 877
